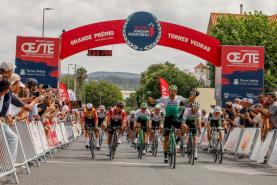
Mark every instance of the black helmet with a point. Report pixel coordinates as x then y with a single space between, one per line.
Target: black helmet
120 104
31 82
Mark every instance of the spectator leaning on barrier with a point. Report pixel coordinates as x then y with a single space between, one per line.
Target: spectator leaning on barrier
272 110
5 121
245 119
229 115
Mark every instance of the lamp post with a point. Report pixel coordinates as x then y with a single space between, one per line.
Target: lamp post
43 12
68 75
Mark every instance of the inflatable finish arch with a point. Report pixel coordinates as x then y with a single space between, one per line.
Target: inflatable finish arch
114 32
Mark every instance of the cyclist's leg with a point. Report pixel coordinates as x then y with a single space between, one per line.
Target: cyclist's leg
167 125
178 125
209 132
193 128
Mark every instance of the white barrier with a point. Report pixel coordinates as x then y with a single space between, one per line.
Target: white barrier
6 164
64 133
36 138
261 148
246 142
233 140
204 140
272 159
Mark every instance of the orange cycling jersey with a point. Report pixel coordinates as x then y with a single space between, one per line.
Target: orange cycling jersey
90 114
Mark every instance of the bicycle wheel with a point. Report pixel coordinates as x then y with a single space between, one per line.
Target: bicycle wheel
182 148
214 150
91 147
219 152
101 137
114 144
191 151
155 146
174 159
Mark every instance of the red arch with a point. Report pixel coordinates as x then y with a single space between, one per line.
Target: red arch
110 32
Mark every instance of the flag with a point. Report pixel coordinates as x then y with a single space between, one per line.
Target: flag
63 93
164 87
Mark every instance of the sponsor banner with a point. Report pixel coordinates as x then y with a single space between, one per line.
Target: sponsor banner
36 138
246 141
91 36
164 88
38 58
242 72
232 140
100 53
191 41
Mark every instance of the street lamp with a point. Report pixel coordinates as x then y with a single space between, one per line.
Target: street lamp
68 75
44 9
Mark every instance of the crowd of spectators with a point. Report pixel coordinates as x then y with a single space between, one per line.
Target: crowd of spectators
27 102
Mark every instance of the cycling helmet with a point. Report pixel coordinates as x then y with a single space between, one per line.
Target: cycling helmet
173 87
195 104
120 104
31 82
157 107
102 107
143 106
217 109
133 112
89 106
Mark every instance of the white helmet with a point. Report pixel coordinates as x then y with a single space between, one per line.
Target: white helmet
157 107
217 109
102 107
132 112
89 106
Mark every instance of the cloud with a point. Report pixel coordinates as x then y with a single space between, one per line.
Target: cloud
25 18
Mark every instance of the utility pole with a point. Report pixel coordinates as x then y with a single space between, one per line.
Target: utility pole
75 79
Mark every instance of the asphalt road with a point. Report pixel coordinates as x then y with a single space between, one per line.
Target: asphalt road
75 167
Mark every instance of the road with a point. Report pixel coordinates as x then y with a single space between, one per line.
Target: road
75 167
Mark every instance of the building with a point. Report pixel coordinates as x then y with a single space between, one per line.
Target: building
215 16
197 73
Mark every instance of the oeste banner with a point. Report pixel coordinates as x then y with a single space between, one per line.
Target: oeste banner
242 72
38 58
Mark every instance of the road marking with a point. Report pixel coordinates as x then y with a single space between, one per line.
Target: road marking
245 171
114 163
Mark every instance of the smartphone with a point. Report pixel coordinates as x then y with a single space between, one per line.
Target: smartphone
37 94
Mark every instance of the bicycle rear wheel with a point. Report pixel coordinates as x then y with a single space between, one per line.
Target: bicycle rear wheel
219 152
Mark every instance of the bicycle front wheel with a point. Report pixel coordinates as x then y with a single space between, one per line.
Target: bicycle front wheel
214 150
191 151
220 152
91 146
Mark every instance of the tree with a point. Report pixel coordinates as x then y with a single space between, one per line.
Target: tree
149 81
251 29
66 79
101 91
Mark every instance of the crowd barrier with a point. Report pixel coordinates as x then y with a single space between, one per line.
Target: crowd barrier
248 143
34 144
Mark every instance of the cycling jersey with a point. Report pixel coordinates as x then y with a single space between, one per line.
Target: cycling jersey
172 107
90 117
143 118
131 122
190 119
101 117
116 118
215 121
156 118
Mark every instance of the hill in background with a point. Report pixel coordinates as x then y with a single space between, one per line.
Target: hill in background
124 80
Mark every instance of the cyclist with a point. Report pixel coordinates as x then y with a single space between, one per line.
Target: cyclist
101 113
215 120
91 121
116 118
172 104
156 122
142 121
131 126
192 120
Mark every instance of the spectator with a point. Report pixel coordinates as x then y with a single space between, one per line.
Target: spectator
229 115
6 121
245 119
261 121
272 111
262 100
204 118
237 104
